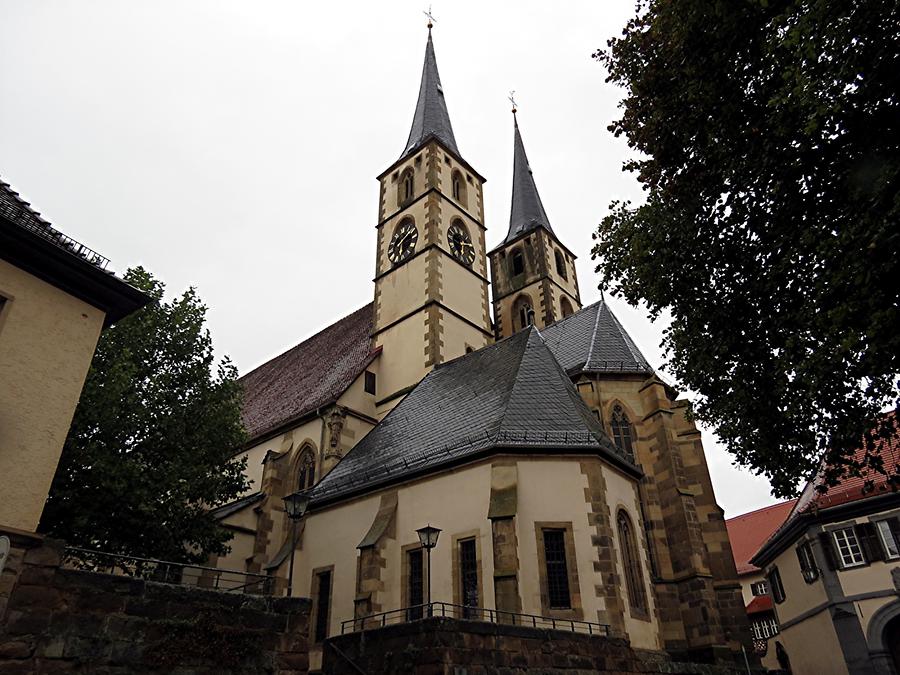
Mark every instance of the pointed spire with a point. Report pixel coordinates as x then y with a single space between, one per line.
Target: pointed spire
527 212
431 119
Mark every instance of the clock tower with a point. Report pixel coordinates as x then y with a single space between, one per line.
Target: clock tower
431 285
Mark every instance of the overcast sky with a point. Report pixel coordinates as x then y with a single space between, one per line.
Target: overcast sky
233 146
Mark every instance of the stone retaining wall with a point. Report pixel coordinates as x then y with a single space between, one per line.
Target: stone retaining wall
60 620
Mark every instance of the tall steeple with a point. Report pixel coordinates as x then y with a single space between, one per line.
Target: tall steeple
527 211
532 273
431 119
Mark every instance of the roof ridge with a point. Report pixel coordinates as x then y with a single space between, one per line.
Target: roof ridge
626 338
761 509
509 392
590 351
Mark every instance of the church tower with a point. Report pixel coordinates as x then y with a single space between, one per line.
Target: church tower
431 285
533 274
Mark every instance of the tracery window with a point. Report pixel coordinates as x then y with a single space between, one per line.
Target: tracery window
622 431
634 581
566 307
518 263
459 188
306 474
523 313
406 186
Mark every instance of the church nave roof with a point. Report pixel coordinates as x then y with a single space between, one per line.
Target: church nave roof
510 395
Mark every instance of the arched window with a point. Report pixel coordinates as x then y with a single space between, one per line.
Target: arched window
406 186
560 264
306 473
517 263
523 313
566 307
634 580
621 431
459 188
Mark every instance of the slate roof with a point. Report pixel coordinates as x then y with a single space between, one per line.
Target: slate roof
431 119
512 394
312 374
527 211
748 531
593 340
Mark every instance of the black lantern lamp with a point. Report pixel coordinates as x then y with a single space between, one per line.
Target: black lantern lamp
295 506
428 536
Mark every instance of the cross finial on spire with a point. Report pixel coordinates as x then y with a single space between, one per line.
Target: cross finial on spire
512 99
430 17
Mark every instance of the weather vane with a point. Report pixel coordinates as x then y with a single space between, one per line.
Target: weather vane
430 16
512 99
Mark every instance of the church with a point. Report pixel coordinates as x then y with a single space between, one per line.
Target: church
476 395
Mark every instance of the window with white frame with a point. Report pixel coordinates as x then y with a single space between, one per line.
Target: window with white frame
759 588
848 548
888 539
764 628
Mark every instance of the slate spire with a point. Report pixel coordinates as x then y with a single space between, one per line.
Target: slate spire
527 212
431 119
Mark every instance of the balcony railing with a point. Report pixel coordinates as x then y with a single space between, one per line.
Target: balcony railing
451 611
168 572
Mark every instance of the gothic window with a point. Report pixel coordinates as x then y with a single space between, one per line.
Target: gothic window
459 188
406 186
306 475
560 264
523 313
634 581
557 569
566 307
518 263
468 577
622 432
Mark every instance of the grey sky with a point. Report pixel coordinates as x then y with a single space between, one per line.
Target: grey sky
234 146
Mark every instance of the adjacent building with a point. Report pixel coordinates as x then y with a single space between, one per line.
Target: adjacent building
55 298
833 571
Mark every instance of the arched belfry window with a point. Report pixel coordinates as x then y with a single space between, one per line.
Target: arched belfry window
523 313
459 188
622 432
517 263
406 186
306 472
560 264
565 307
631 565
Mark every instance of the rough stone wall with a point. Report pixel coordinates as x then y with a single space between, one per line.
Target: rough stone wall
61 620
441 646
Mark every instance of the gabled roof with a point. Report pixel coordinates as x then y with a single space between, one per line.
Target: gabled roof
312 374
593 340
747 532
431 119
512 394
864 491
527 211
34 245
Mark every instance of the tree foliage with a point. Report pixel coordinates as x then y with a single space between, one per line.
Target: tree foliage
767 139
149 450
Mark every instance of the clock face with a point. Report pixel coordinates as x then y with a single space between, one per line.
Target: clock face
403 243
461 244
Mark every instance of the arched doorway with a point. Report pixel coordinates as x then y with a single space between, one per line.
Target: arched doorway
884 640
892 641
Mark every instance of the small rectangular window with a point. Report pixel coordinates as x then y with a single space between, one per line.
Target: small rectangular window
416 584
775 586
323 604
808 567
370 382
888 536
759 588
468 581
848 548
557 569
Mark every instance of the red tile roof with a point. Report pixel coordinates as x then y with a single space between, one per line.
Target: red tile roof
312 374
749 531
761 603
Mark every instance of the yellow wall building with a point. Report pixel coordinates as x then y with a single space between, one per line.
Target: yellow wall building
55 298
566 478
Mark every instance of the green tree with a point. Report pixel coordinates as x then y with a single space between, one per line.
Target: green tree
766 136
149 450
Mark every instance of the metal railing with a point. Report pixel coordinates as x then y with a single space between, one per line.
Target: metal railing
168 572
451 611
